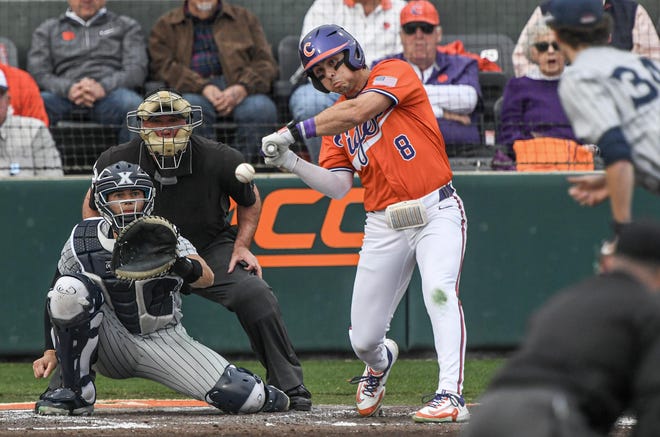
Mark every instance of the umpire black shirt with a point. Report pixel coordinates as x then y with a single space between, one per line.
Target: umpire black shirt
198 202
590 339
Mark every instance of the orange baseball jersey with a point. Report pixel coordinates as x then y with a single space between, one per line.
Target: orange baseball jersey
399 154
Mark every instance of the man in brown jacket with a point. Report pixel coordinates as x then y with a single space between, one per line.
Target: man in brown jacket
216 54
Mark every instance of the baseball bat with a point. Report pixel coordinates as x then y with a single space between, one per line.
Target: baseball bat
271 149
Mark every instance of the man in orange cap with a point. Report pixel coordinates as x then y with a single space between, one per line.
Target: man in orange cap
451 81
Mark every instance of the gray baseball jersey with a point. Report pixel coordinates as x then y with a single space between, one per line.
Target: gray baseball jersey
136 338
606 88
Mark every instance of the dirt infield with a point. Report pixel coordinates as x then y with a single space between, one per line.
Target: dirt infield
324 420
192 418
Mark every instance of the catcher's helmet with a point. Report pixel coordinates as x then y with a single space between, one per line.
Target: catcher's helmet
166 150
326 41
120 176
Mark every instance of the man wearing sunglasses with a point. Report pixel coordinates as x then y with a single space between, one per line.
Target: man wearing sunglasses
531 116
633 30
451 81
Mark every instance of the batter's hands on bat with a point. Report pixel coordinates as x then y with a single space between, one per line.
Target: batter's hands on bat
588 190
275 148
242 257
43 367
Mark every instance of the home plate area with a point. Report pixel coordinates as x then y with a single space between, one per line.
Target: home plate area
147 417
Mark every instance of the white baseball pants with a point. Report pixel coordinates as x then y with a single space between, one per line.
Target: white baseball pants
387 261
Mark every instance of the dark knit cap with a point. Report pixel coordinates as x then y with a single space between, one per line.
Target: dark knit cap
640 240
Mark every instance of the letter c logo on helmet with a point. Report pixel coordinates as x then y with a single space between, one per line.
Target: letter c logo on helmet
307 51
324 42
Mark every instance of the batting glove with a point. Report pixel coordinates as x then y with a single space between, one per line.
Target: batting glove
275 147
287 160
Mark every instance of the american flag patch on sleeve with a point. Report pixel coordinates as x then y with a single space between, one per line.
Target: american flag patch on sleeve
388 81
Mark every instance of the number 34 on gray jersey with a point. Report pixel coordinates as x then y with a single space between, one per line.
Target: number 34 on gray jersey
607 88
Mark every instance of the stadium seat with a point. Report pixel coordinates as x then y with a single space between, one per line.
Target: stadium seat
495 47
492 87
8 52
497 111
289 65
80 143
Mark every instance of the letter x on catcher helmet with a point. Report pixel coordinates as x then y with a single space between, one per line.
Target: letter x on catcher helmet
166 150
119 176
324 42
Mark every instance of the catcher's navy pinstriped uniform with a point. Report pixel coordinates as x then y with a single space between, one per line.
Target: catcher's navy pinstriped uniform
128 328
198 204
141 333
607 88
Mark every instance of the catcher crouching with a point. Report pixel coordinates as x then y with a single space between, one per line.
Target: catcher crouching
116 309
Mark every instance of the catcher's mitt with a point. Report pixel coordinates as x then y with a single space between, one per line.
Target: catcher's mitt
144 249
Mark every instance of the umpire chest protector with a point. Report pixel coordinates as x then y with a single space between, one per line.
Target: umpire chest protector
141 306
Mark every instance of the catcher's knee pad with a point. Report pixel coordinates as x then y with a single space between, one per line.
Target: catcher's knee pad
237 391
74 305
73 299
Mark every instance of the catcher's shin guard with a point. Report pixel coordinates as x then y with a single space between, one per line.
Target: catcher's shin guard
74 305
240 391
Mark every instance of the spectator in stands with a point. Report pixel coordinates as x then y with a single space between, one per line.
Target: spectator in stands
88 62
26 146
216 54
530 105
373 23
451 81
534 130
633 30
25 98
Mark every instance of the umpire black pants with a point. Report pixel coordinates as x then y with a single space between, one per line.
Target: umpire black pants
258 311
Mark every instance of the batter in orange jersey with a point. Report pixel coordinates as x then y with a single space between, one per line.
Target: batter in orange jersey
384 129
400 153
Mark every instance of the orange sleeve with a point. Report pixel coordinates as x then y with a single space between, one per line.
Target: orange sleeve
24 92
400 153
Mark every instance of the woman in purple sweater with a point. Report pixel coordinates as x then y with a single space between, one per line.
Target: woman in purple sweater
530 106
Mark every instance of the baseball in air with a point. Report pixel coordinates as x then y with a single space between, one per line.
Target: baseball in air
244 173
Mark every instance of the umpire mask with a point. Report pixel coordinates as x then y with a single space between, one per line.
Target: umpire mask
164 121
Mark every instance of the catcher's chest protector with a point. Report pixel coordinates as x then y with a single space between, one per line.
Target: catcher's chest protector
141 306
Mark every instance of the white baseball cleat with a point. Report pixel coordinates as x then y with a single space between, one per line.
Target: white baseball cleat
444 407
371 388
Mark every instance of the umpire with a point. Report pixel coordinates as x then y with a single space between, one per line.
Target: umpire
586 357
194 179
